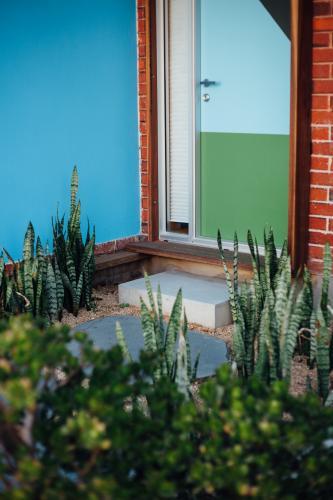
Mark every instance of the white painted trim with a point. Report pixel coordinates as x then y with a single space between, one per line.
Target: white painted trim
162 78
176 237
161 113
197 121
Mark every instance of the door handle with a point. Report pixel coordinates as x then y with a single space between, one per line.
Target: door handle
207 83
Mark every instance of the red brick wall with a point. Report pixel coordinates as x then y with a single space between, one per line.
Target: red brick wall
144 114
321 193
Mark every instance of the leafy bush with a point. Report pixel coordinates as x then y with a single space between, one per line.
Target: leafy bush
272 312
92 426
174 359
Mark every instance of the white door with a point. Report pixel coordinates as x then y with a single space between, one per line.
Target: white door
224 100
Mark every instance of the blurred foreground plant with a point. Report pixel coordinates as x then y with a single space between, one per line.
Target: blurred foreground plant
73 424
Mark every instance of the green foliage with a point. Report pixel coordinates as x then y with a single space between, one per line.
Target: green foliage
123 305
30 284
42 284
75 257
174 360
272 312
321 331
92 426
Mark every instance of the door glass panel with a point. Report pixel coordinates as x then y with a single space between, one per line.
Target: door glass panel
244 107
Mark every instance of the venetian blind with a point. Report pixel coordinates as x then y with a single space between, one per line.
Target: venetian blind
179 128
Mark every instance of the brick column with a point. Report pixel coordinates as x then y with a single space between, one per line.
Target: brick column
321 192
144 114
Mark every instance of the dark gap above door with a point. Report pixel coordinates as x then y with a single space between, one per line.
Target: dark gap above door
280 12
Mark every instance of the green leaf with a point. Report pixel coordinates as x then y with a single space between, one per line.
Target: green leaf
40 280
313 338
71 267
2 267
29 243
327 270
295 321
59 288
262 364
238 347
122 343
323 356
51 292
182 379
28 284
148 328
232 296
160 333
74 189
173 329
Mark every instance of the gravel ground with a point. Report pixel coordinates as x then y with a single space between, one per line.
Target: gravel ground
106 299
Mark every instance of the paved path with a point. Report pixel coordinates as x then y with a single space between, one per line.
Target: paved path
213 351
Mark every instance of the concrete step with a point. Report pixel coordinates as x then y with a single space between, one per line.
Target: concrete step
205 299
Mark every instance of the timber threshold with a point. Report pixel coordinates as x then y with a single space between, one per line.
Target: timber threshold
187 252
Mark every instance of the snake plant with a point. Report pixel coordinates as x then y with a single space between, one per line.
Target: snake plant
32 285
321 330
174 357
271 311
42 283
75 257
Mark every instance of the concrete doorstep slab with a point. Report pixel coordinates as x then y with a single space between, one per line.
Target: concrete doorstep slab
213 351
205 300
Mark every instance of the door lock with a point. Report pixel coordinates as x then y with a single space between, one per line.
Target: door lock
205 97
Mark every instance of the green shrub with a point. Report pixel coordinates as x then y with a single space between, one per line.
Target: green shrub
92 426
272 312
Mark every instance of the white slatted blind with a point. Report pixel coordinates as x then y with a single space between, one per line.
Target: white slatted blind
179 129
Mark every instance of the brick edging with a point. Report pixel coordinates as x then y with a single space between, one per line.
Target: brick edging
116 245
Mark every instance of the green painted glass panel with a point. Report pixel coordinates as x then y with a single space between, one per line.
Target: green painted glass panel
244 184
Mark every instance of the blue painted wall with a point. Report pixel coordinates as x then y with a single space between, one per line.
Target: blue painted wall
68 96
